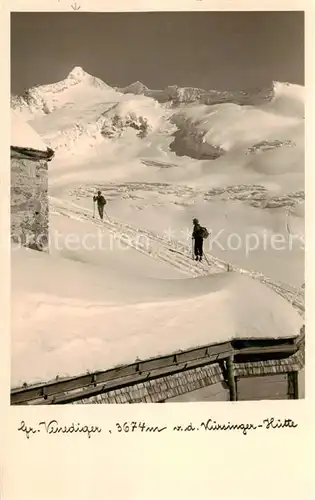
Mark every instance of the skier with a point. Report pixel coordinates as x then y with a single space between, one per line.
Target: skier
199 233
101 202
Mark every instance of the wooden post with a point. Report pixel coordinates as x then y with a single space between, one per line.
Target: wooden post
293 385
231 378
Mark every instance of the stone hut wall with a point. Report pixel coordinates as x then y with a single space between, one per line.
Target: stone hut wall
29 202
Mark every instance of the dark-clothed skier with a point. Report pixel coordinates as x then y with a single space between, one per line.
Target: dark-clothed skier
101 202
197 235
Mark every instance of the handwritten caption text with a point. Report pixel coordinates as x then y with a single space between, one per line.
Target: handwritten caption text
54 427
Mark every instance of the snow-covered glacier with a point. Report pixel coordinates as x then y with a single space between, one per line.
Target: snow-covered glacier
81 111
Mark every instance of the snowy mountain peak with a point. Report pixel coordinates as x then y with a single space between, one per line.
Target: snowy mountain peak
77 76
136 88
44 99
287 87
138 84
77 73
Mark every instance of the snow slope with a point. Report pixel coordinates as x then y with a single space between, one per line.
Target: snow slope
98 320
236 161
102 247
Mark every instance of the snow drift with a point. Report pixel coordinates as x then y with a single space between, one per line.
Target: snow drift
23 136
99 320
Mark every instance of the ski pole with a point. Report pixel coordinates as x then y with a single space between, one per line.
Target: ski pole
206 259
106 215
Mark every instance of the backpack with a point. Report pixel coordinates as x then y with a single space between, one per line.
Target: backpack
102 200
204 233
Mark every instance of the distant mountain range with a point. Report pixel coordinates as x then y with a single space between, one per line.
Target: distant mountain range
45 97
80 111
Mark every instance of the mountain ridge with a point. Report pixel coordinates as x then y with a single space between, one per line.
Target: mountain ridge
44 99
80 112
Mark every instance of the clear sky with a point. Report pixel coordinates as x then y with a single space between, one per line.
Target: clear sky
223 50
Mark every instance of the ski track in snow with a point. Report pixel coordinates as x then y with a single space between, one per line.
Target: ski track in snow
172 251
154 245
